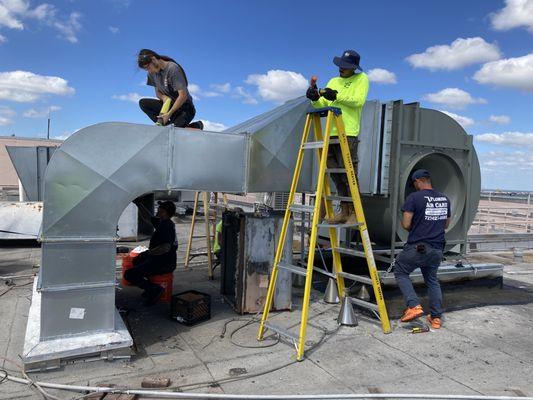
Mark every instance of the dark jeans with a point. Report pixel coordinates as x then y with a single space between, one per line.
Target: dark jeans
143 267
410 259
181 118
335 160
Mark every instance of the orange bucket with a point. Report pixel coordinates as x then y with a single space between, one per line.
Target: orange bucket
164 281
127 263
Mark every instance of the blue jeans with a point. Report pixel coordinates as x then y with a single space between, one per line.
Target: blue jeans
428 262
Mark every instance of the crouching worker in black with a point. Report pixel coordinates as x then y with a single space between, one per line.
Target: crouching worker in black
160 258
170 82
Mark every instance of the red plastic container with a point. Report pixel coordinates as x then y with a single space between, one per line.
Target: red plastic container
127 263
165 281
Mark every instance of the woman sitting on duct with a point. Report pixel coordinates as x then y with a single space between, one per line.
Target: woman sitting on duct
174 103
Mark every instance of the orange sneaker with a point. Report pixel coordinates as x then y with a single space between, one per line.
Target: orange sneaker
412 313
434 322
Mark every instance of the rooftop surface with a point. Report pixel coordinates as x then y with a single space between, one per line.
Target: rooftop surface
484 347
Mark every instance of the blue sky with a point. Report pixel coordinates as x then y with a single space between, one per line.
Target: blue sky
473 59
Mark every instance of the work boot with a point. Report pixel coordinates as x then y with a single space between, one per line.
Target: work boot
412 313
352 218
434 322
341 217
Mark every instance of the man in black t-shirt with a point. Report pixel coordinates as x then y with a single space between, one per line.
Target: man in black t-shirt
426 215
160 258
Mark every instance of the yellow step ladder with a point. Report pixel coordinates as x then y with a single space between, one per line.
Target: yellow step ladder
323 193
208 217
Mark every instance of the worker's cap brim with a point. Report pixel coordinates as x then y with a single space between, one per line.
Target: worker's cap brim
341 63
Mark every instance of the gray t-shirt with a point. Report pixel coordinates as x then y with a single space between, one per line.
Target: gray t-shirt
169 80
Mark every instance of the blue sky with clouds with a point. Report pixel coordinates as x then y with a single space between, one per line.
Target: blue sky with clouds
472 59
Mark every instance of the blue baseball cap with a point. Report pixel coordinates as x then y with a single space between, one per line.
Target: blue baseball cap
419 173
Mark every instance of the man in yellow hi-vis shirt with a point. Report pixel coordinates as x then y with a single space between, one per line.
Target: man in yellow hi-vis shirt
348 92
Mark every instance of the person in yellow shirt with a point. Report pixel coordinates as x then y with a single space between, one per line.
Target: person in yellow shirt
348 92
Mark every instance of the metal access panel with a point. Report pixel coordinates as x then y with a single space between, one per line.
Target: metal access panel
249 244
368 151
30 164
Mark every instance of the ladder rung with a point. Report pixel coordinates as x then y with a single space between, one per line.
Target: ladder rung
313 145
335 170
339 226
334 141
302 208
292 268
324 272
364 304
350 252
356 278
340 198
281 331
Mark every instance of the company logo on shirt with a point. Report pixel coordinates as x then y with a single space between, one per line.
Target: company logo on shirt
436 208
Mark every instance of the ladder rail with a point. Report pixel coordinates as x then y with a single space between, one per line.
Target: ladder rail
333 237
314 230
191 230
283 234
363 229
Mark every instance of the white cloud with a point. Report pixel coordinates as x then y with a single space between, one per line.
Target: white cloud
514 73
42 12
3 39
13 14
26 87
40 113
460 53
453 98
278 86
515 14
197 92
380 75
462 120
506 170
70 27
114 30
213 126
6 114
221 87
10 13
133 97
513 139
242 93
66 134
500 119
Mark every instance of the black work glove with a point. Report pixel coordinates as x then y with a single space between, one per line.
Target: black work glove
329 94
312 93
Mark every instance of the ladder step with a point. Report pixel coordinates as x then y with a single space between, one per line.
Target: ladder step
340 198
293 268
335 170
334 141
281 331
324 272
338 226
364 304
350 252
356 278
313 145
302 208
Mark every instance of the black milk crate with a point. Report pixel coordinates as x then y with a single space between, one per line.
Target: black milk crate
190 307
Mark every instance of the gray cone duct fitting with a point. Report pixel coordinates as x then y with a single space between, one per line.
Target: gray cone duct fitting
99 170
331 296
